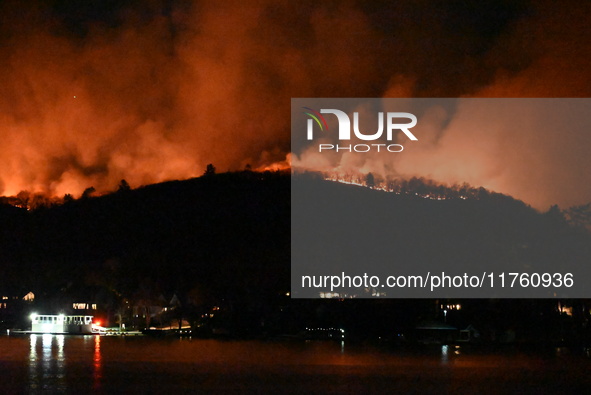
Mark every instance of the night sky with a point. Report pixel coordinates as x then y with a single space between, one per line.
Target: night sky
96 91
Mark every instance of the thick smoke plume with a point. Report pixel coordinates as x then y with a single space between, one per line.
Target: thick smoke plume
96 92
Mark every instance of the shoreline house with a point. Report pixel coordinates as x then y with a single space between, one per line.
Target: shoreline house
13 306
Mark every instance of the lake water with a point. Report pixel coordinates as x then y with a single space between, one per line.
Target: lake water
93 364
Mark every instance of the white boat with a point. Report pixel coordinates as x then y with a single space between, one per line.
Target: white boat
64 324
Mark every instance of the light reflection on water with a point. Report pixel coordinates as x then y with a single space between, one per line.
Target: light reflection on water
47 367
449 351
97 373
33 380
444 354
93 364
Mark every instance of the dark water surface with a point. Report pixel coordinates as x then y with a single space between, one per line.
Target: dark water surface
92 364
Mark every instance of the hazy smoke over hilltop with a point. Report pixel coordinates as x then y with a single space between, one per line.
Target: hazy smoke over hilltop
93 92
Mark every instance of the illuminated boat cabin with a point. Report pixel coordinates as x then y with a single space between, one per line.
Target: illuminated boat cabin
67 324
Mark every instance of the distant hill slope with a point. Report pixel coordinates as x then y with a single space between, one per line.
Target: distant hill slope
220 232
229 234
358 230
